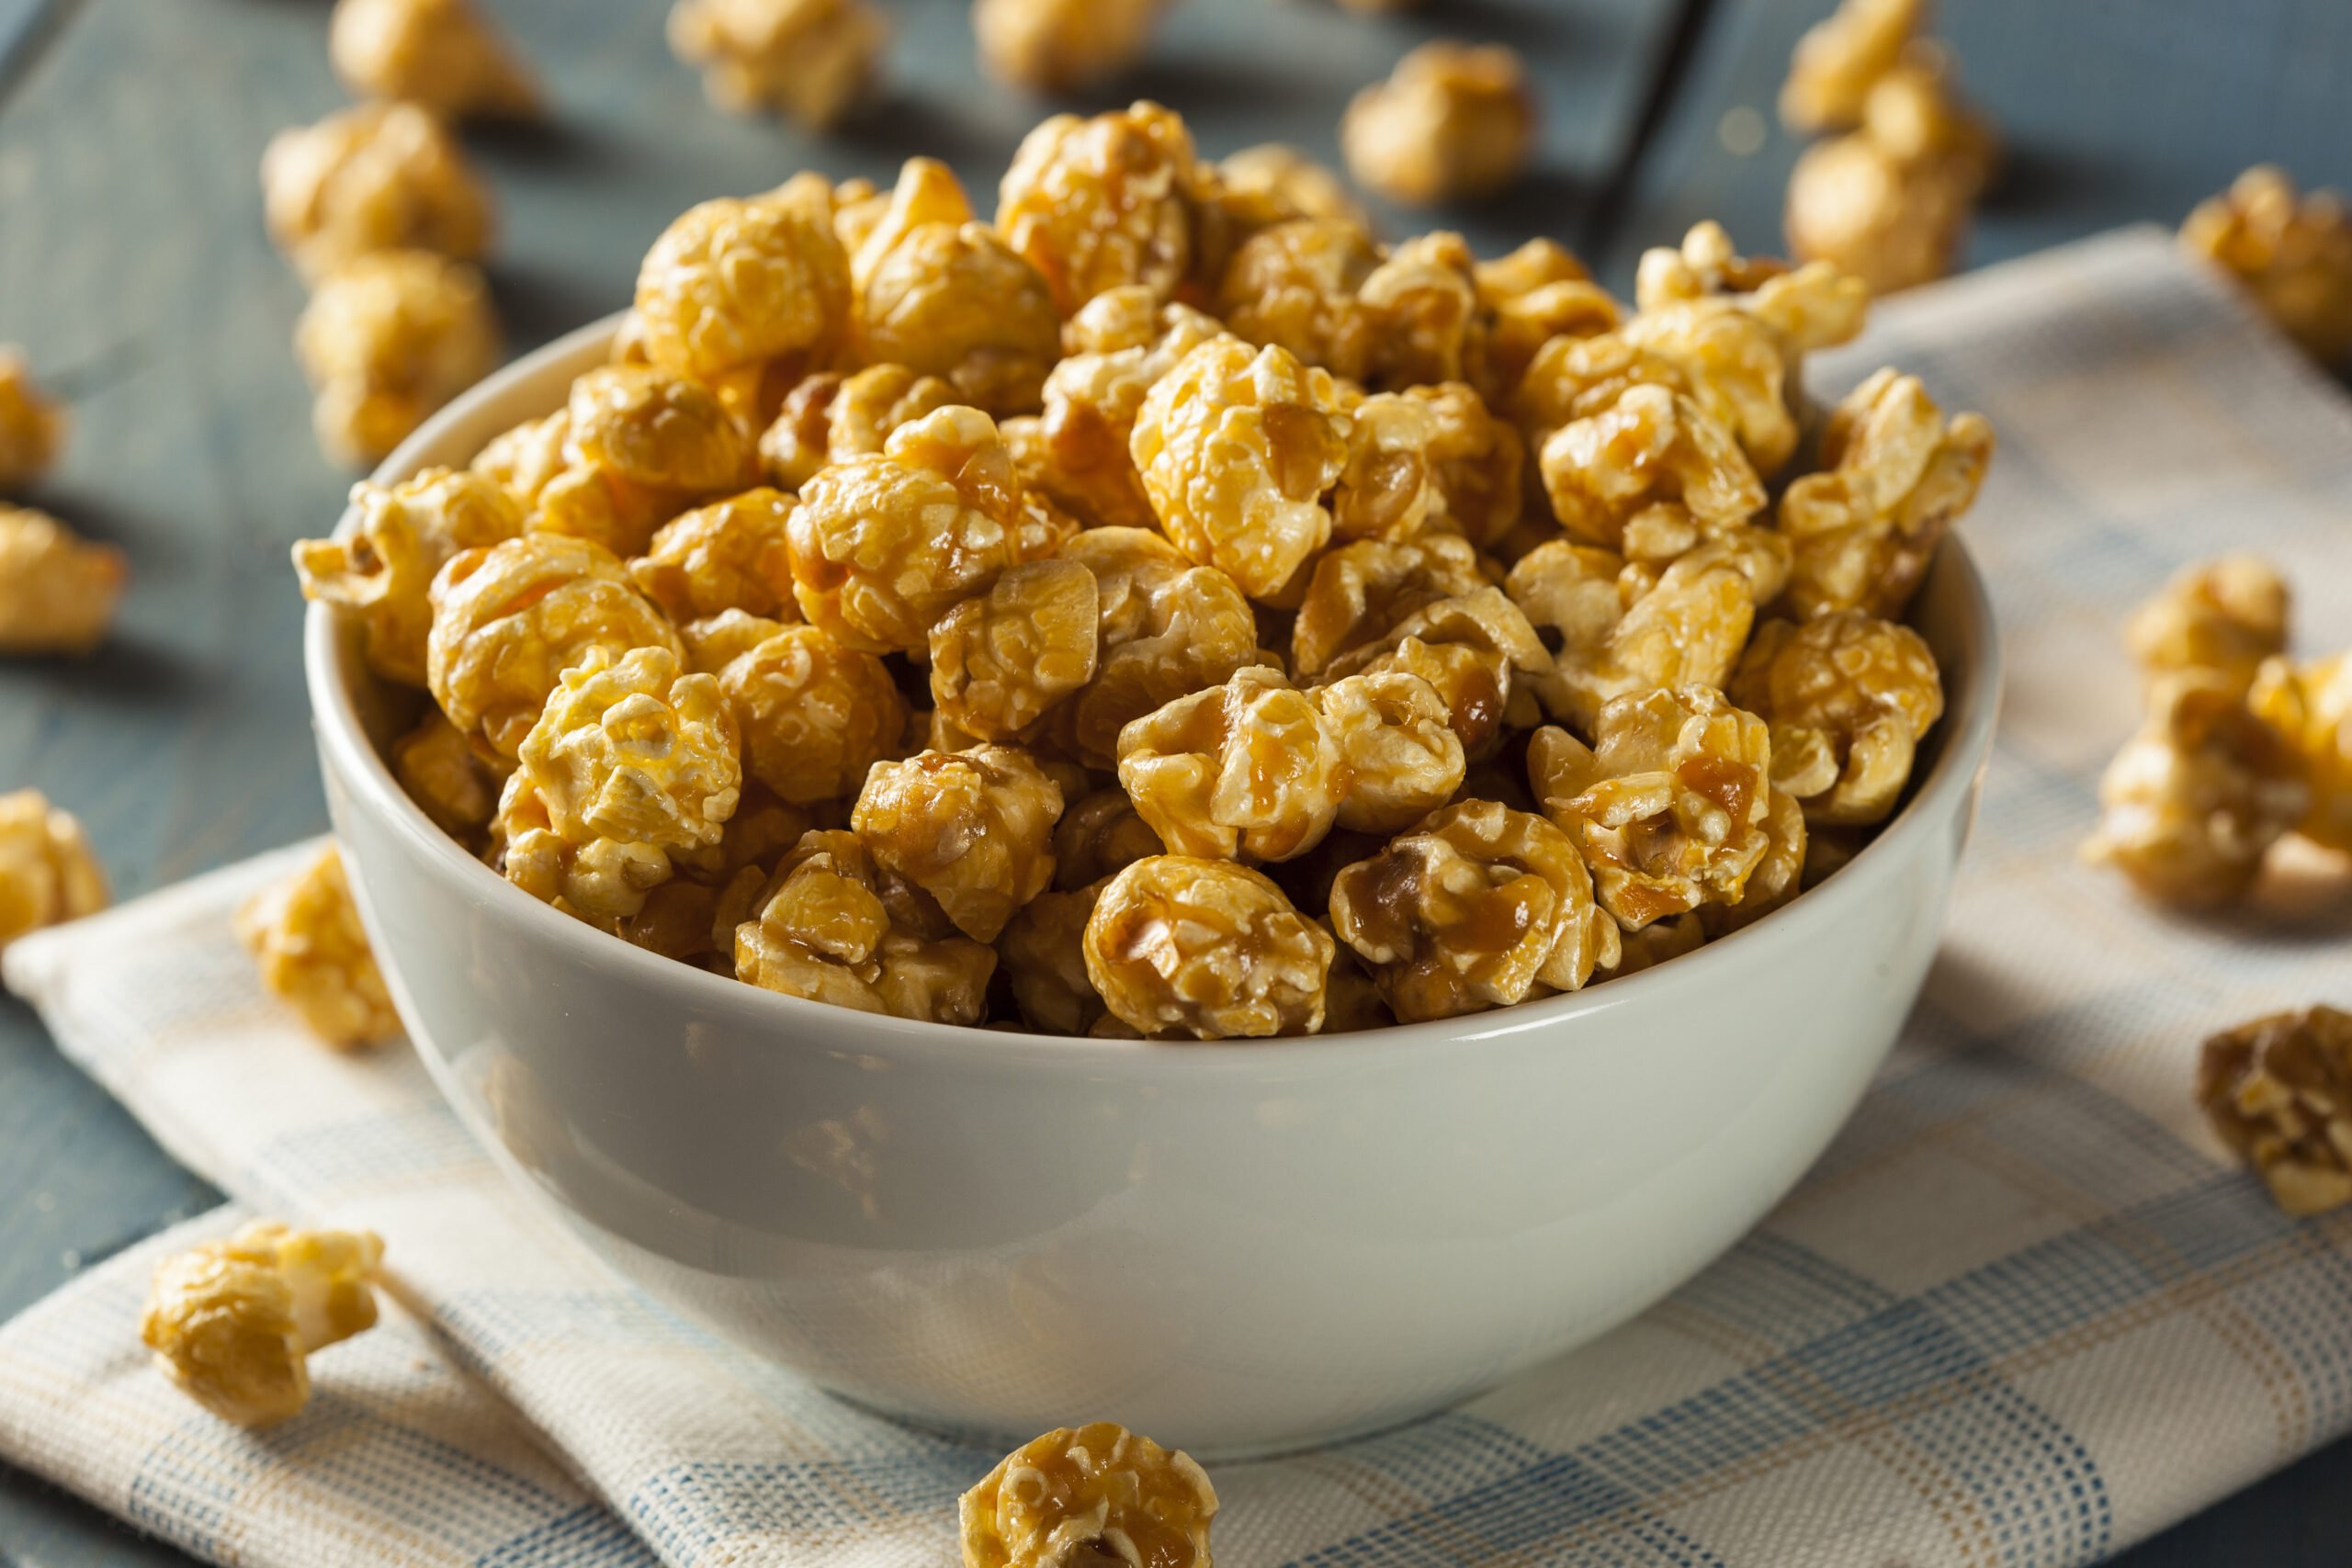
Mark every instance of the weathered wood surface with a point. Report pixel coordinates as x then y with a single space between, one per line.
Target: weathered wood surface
133 268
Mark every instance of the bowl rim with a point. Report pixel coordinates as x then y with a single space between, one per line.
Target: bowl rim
1963 750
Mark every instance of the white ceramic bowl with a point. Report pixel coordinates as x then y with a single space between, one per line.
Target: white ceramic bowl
1235 1248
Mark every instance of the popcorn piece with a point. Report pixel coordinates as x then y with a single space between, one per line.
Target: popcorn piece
829 419
444 54
1099 836
629 761
806 59
1360 590
1453 121
373 177
1538 292
1777 879
1473 910
382 572
1042 951
1396 747
1120 343
1236 449
1656 943
2222 617
2292 252
1168 628
1839 58
445 778
2279 1092
1101 203
832 927
1207 948
232 1322
1915 114
32 428
1388 489
1291 183
2310 703
2195 800
1093 1493
1054 46
1476 460
1246 770
1807 308
1668 805
730 555
999 661
972 828
58 591
305 934
736 290
1422 303
388 338
1476 648
1847 699
508 620
1890 222
48 874
1649 447
883 547
1866 529
1295 286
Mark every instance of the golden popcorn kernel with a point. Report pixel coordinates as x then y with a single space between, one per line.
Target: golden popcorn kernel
972 828
1103 202
999 659
1246 770
1294 183
831 926
2223 616
305 934
58 591
385 176
32 426
1453 121
1097 1492
806 60
1100 835
1207 948
734 286
48 874
387 339
2310 703
1042 953
2292 252
405 532
1892 223
1397 750
1842 57
232 1322
2279 1092
730 555
445 778
1847 699
1168 628
1295 286
444 54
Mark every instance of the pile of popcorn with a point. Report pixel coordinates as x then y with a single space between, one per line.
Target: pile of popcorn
1165 610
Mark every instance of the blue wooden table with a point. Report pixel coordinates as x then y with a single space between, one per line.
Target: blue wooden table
133 268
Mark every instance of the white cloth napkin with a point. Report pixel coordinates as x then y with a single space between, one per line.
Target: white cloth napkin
2022 1312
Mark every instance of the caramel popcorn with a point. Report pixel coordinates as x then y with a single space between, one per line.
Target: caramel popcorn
2193 801
831 925
2292 252
1120 343
1207 948
1654 944
1476 649
1536 293
2279 1092
1100 835
1686 629
1246 770
374 177
32 428
1168 628
1735 367
1668 804
1104 202
1236 449
1847 699
1807 308
447 781
1476 460
388 338
1053 46
1295 286
2222 617
734 287
1095 1493
508 620
444 54
728 555
1778 878
1042 953
1890 222
1451 122
1386 490
305 935
1472 910
1422 303
1898 474
972 828
1359 591
58 589
882 547
1397 750
1915 114
232 1322
383 570
829 418
999 661
806 59
1649 447
1838 59
814 715
1291 183
640 446
48 874
2311 706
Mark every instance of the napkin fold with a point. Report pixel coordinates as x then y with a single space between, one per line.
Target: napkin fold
2021 1313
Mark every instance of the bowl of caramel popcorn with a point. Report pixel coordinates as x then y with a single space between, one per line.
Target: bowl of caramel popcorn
1152 806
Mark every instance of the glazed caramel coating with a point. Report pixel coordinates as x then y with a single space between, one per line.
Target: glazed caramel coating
444 54
806 60
1100 835
1210 949
1042 951
973 828
387 338
733 286
1118 345
1398 754
1053 46
1650 446
508 620
882 547
1670 803
815 716
372 177
1423 304
999 659
1778 878
1810 306
1290 183
1387 489
1476 649
446 781
1453 121
1476 461
2310 703
730 555
383 571
1840 57
1248 770
1236 449
2222 617
32 427
1889 221
1898 473
1168 628
58 591
1095 1493
831 925
48 874
1538 292
1103 202
1847 698
654 429
230 1322
1295 286
305 936
829 418
1473 910
1686 629
2293 252
1360 590
2279 1092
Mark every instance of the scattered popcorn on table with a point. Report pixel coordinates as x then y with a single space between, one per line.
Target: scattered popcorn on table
48 874
1091 1495
234 1322
32 426
806 59
444 54
58 589
373 177
1054 46
2223 617
1842 57
1292 181
2279 1092
1453 121
388 338
2309 702
2292 252
305 935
